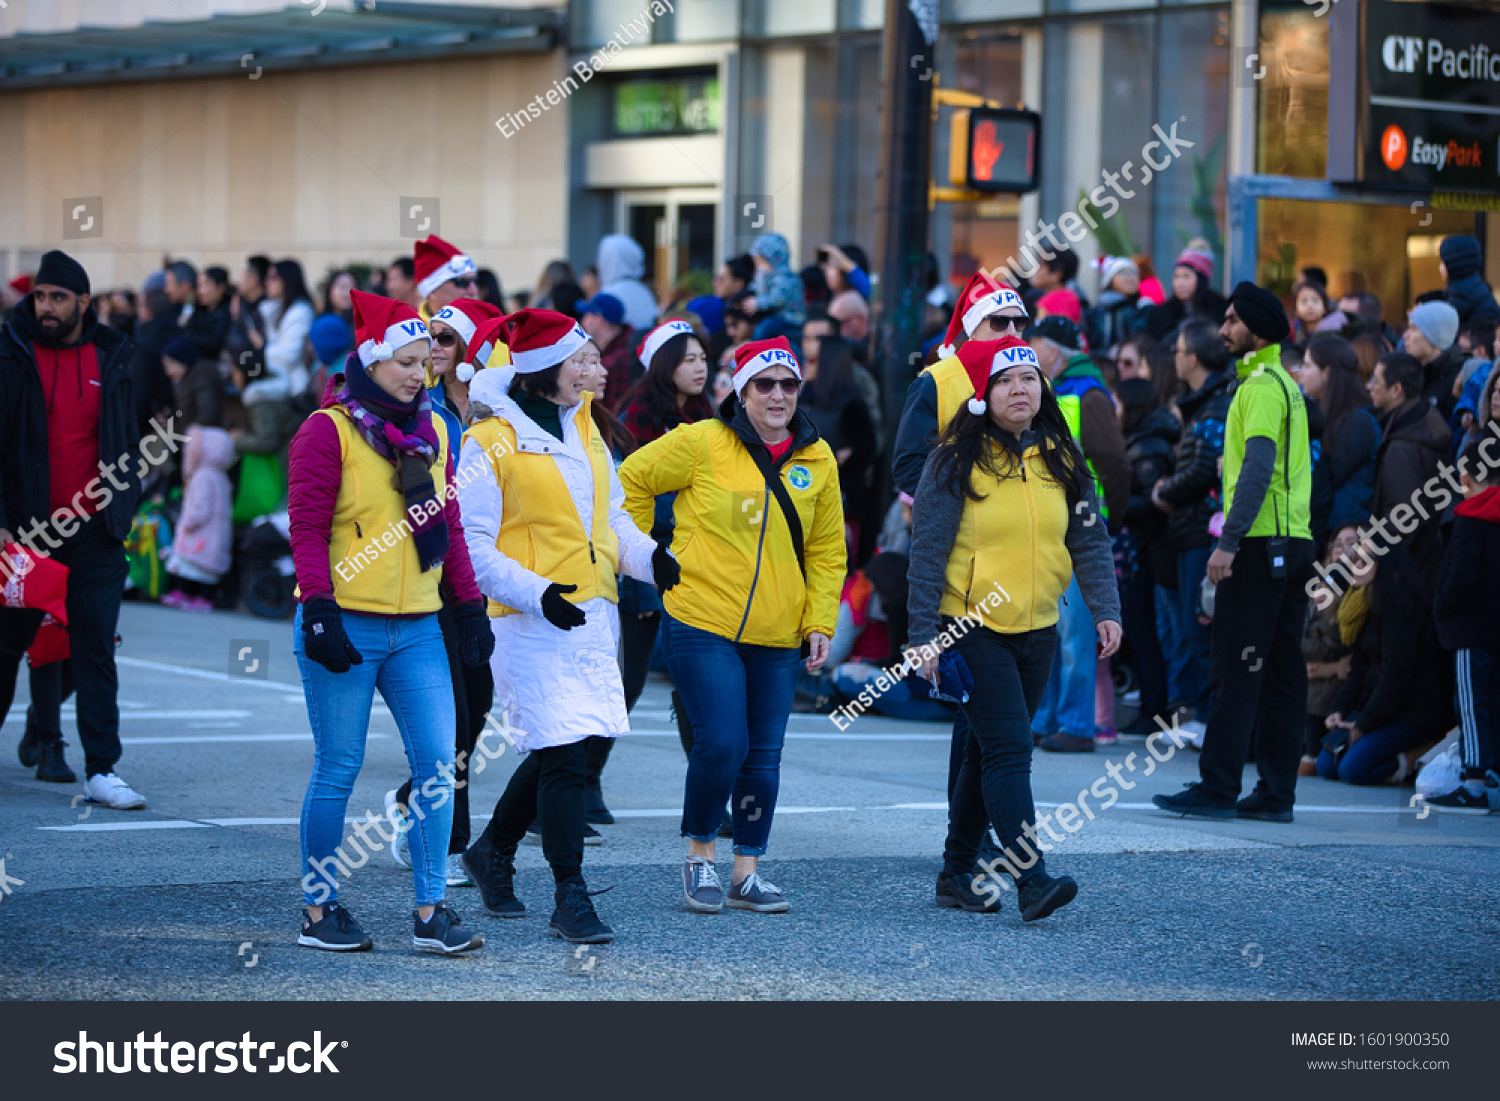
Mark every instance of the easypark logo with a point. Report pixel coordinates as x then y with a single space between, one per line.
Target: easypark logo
1393 147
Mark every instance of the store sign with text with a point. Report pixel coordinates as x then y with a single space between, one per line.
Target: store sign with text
686 104
1414 96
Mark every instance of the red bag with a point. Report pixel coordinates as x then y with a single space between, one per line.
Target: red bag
50 644
34 581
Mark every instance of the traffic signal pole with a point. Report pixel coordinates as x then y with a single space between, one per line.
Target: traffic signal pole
909 55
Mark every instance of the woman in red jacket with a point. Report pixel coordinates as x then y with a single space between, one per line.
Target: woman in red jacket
375 529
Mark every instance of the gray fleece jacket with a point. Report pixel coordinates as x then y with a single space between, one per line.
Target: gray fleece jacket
936 514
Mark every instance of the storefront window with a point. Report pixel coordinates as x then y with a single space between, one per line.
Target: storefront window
1193 83
1292 109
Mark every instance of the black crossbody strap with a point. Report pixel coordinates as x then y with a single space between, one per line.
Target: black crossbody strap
762 459
1286 462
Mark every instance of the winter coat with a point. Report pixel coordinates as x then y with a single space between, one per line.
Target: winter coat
621 263
1321 643
1097 433
1193 487
740 576
1471 297
1468 587
209 328
1438 378
347 518
522 487
203 537
1150 451
1350 450
1415 440
273 422
778 291
1394 675
1174 311
24 459
285 374
1116 318
200 395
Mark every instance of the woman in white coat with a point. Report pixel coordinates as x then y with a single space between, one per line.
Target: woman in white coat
545 521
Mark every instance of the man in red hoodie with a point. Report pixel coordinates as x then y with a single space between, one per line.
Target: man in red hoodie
69 480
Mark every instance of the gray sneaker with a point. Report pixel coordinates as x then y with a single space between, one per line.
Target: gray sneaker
701 886
754 893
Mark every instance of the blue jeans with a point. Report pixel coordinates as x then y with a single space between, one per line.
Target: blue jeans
405 659
738 698
1192 568
1068 703
1173 640
1372 759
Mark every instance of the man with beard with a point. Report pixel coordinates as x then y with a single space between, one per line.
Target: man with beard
1261 566
69 449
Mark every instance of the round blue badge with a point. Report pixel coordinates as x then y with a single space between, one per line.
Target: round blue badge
799 476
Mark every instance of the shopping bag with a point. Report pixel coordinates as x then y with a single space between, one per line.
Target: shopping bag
29 580
262 486
50 644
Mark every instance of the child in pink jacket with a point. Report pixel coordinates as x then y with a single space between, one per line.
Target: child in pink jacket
201 550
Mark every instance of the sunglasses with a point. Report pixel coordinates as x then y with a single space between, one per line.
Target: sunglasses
447 338
463 283
764 386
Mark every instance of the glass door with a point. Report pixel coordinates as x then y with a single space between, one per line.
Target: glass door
677 230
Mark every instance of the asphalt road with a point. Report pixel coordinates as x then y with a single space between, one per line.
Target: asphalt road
197 896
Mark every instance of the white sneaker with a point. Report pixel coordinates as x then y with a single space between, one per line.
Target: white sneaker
458 875
400 847
108 790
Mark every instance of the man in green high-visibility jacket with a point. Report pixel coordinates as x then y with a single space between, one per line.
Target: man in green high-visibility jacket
1262 567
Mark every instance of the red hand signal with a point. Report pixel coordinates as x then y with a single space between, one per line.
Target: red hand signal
985 150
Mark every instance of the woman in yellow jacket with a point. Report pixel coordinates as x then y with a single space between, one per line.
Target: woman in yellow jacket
759 533
1005 514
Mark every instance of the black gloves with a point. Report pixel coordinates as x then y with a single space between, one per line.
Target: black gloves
664 568
476 641
559 612
323 637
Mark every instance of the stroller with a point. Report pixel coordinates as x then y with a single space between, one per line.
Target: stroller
267 576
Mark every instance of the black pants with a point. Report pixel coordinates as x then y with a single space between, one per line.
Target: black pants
546 788
473 693
51 684
1138 609
1259 674
96 582
1010 676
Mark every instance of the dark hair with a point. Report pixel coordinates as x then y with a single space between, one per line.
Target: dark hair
261 265
1368 349
1138 400
157 302
1163 364
536 384
657 390
974 441
328 283
489 288
857 254
293 286
542 385
742 268
1431 296
1403 370
1204 342
1371 310
1107 368
408 268
1477 466
1064 264
1344 391
1314 274
1482 335
815 288
819 315
183 272
566 298
616 436
1321 287
836 385
218 275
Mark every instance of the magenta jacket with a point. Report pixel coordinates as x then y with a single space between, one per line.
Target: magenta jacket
316 472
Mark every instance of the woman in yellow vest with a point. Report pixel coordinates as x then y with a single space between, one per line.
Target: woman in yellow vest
545 520
375 529
759 529
1005 514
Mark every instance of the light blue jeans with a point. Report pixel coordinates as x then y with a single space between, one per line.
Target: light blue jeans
405 659
1068 704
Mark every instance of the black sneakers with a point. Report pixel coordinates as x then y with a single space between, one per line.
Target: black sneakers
27 750
444 932
1192 802
51 765
574 920
337 931
967 891
1257 806
1041 895
494 874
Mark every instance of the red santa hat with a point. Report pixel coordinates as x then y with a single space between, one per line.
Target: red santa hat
761 355
487 336
659 336
463 316
982 296
381 325
21 284
436 262
983 359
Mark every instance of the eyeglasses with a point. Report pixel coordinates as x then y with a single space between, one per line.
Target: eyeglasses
764 386
447 338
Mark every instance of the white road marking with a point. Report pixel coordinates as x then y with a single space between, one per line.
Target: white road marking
204 674
69 713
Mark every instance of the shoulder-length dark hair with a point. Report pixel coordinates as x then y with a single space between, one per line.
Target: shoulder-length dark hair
1343 393
657 388
973 444
293 285
835 385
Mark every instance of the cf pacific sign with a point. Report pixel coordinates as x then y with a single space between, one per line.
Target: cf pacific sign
1408 54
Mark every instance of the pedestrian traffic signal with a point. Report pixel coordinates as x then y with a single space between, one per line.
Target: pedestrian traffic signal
994 149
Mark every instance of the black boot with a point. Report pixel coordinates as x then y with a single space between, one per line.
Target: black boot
27 750
574 920
51 765
595 754
494 873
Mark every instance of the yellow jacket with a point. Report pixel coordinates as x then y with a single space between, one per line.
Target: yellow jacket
953 389
1010 559
374 559
740 578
